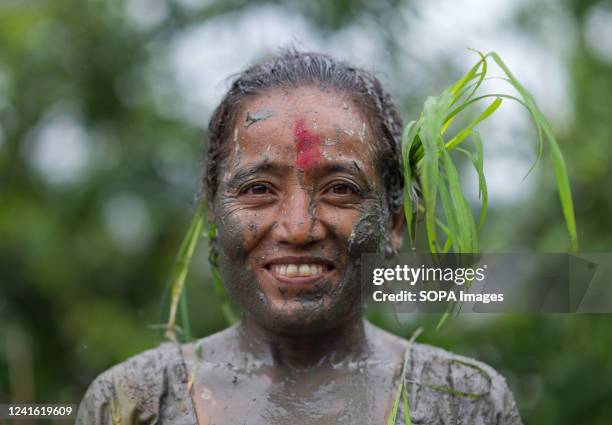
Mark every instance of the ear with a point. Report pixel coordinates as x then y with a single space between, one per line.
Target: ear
397 227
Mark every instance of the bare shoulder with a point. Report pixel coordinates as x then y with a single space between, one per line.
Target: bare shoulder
456 386
470 377
445 387
143 370
138 388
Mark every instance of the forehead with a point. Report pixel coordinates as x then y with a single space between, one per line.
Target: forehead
326 106
305 125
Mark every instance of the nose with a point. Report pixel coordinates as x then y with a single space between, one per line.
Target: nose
297 221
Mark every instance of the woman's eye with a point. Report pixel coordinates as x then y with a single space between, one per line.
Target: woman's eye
256 189
343 189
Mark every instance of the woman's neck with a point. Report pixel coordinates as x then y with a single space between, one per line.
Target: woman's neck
345 343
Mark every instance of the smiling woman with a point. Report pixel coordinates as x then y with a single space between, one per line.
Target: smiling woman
302 177
301 183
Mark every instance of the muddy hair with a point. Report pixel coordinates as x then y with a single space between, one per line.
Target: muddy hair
293 69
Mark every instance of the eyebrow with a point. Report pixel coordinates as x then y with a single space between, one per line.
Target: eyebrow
244 173
349 167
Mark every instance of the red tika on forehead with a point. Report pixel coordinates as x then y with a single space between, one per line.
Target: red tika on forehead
308 145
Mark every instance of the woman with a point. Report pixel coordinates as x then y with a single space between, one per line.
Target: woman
302 177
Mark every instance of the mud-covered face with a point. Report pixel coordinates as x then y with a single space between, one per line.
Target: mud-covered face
299 201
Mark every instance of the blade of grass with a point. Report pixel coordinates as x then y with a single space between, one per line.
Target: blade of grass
407 140
458 86
560 169
434 112
478 163
407 420
467 227
565 192
185 315
451 219
402 384
465 132
395 407
181 266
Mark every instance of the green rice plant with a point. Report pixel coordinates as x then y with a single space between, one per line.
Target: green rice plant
430 171
402 392
181 268
179 275
431 174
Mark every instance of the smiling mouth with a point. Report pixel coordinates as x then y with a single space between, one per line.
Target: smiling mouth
298 271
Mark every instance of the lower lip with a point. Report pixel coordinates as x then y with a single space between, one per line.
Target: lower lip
298 280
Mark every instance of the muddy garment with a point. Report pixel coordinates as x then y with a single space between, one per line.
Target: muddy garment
151 388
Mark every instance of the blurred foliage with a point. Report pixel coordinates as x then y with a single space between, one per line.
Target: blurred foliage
86 247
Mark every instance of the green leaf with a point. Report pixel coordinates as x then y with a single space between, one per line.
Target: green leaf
407 140
434 112
407 420
477 160
468 130
393 415
181 266
561 176
467 235
428 165
186 325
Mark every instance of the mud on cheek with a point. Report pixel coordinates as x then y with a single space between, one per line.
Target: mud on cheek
237 278
370 234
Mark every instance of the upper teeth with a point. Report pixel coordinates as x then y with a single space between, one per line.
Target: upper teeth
292 270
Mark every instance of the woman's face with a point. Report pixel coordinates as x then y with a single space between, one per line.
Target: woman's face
299 201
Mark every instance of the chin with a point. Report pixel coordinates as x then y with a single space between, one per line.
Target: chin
305 317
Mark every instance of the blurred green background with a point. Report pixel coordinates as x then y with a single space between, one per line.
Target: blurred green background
103 106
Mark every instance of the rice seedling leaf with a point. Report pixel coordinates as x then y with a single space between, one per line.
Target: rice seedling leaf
430 135
181 265
407 420
478 163
459 85
467 229
393 414
465 132
407 140
451 219
185 314
561 176
428 163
